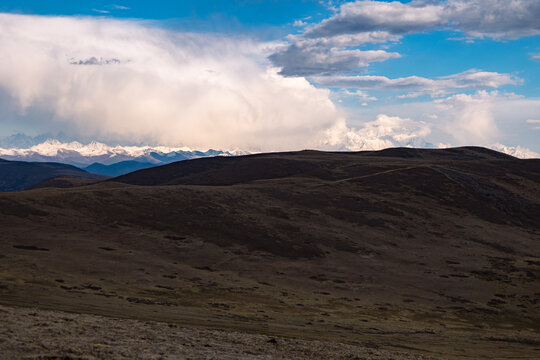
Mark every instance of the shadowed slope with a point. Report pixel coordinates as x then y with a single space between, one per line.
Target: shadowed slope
63 182
119 168
461 153
436 251
309 163
20 175
461 176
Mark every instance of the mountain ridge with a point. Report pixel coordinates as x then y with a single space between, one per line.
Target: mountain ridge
119 168
206 171
81 155
20 175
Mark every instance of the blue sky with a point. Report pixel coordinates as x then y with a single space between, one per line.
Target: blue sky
206 15
409 73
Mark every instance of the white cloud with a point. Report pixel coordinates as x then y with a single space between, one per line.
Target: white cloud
535 56
360 94
365 16
383 132
176 89
135 83
374 82
298 60
357 23
475 79
535 122
344 40
473 121
468 119
476 18
482 118
498 19
329 55
119 7
412 95
471 79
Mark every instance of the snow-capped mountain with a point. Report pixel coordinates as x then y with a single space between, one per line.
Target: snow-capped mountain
82 155
108 160
517 151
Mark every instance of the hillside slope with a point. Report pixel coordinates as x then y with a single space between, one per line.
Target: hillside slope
322 165
20 175
433 251
119 168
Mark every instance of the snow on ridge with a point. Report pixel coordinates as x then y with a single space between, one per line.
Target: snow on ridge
75 152
517 151
52 147
78 154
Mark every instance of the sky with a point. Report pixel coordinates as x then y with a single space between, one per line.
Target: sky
274 75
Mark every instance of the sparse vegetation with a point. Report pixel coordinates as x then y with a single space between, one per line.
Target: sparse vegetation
435 253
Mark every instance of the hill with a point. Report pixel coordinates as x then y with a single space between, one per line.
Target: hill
321 165
20 175
119 168
64 182
432 252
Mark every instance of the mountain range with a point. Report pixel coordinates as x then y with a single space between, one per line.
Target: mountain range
22 168
97 157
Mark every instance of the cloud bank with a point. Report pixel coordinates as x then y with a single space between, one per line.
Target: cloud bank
307 60
482 118
384 132
321 56
476 18
134 82
471 79
335 40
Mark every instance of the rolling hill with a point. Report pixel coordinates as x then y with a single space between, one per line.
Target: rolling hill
20 175
119 168
321 165
429 252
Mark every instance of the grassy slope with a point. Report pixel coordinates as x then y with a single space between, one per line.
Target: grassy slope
430 250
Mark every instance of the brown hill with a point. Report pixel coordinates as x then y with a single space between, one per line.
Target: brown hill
436 251
322 165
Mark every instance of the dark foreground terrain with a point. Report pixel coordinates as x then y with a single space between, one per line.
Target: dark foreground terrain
398 254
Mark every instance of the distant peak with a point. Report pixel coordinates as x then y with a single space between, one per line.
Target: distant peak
79 154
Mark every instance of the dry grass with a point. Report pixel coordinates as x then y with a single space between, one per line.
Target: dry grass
428 255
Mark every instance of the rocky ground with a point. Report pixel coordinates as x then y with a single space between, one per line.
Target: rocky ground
38 334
